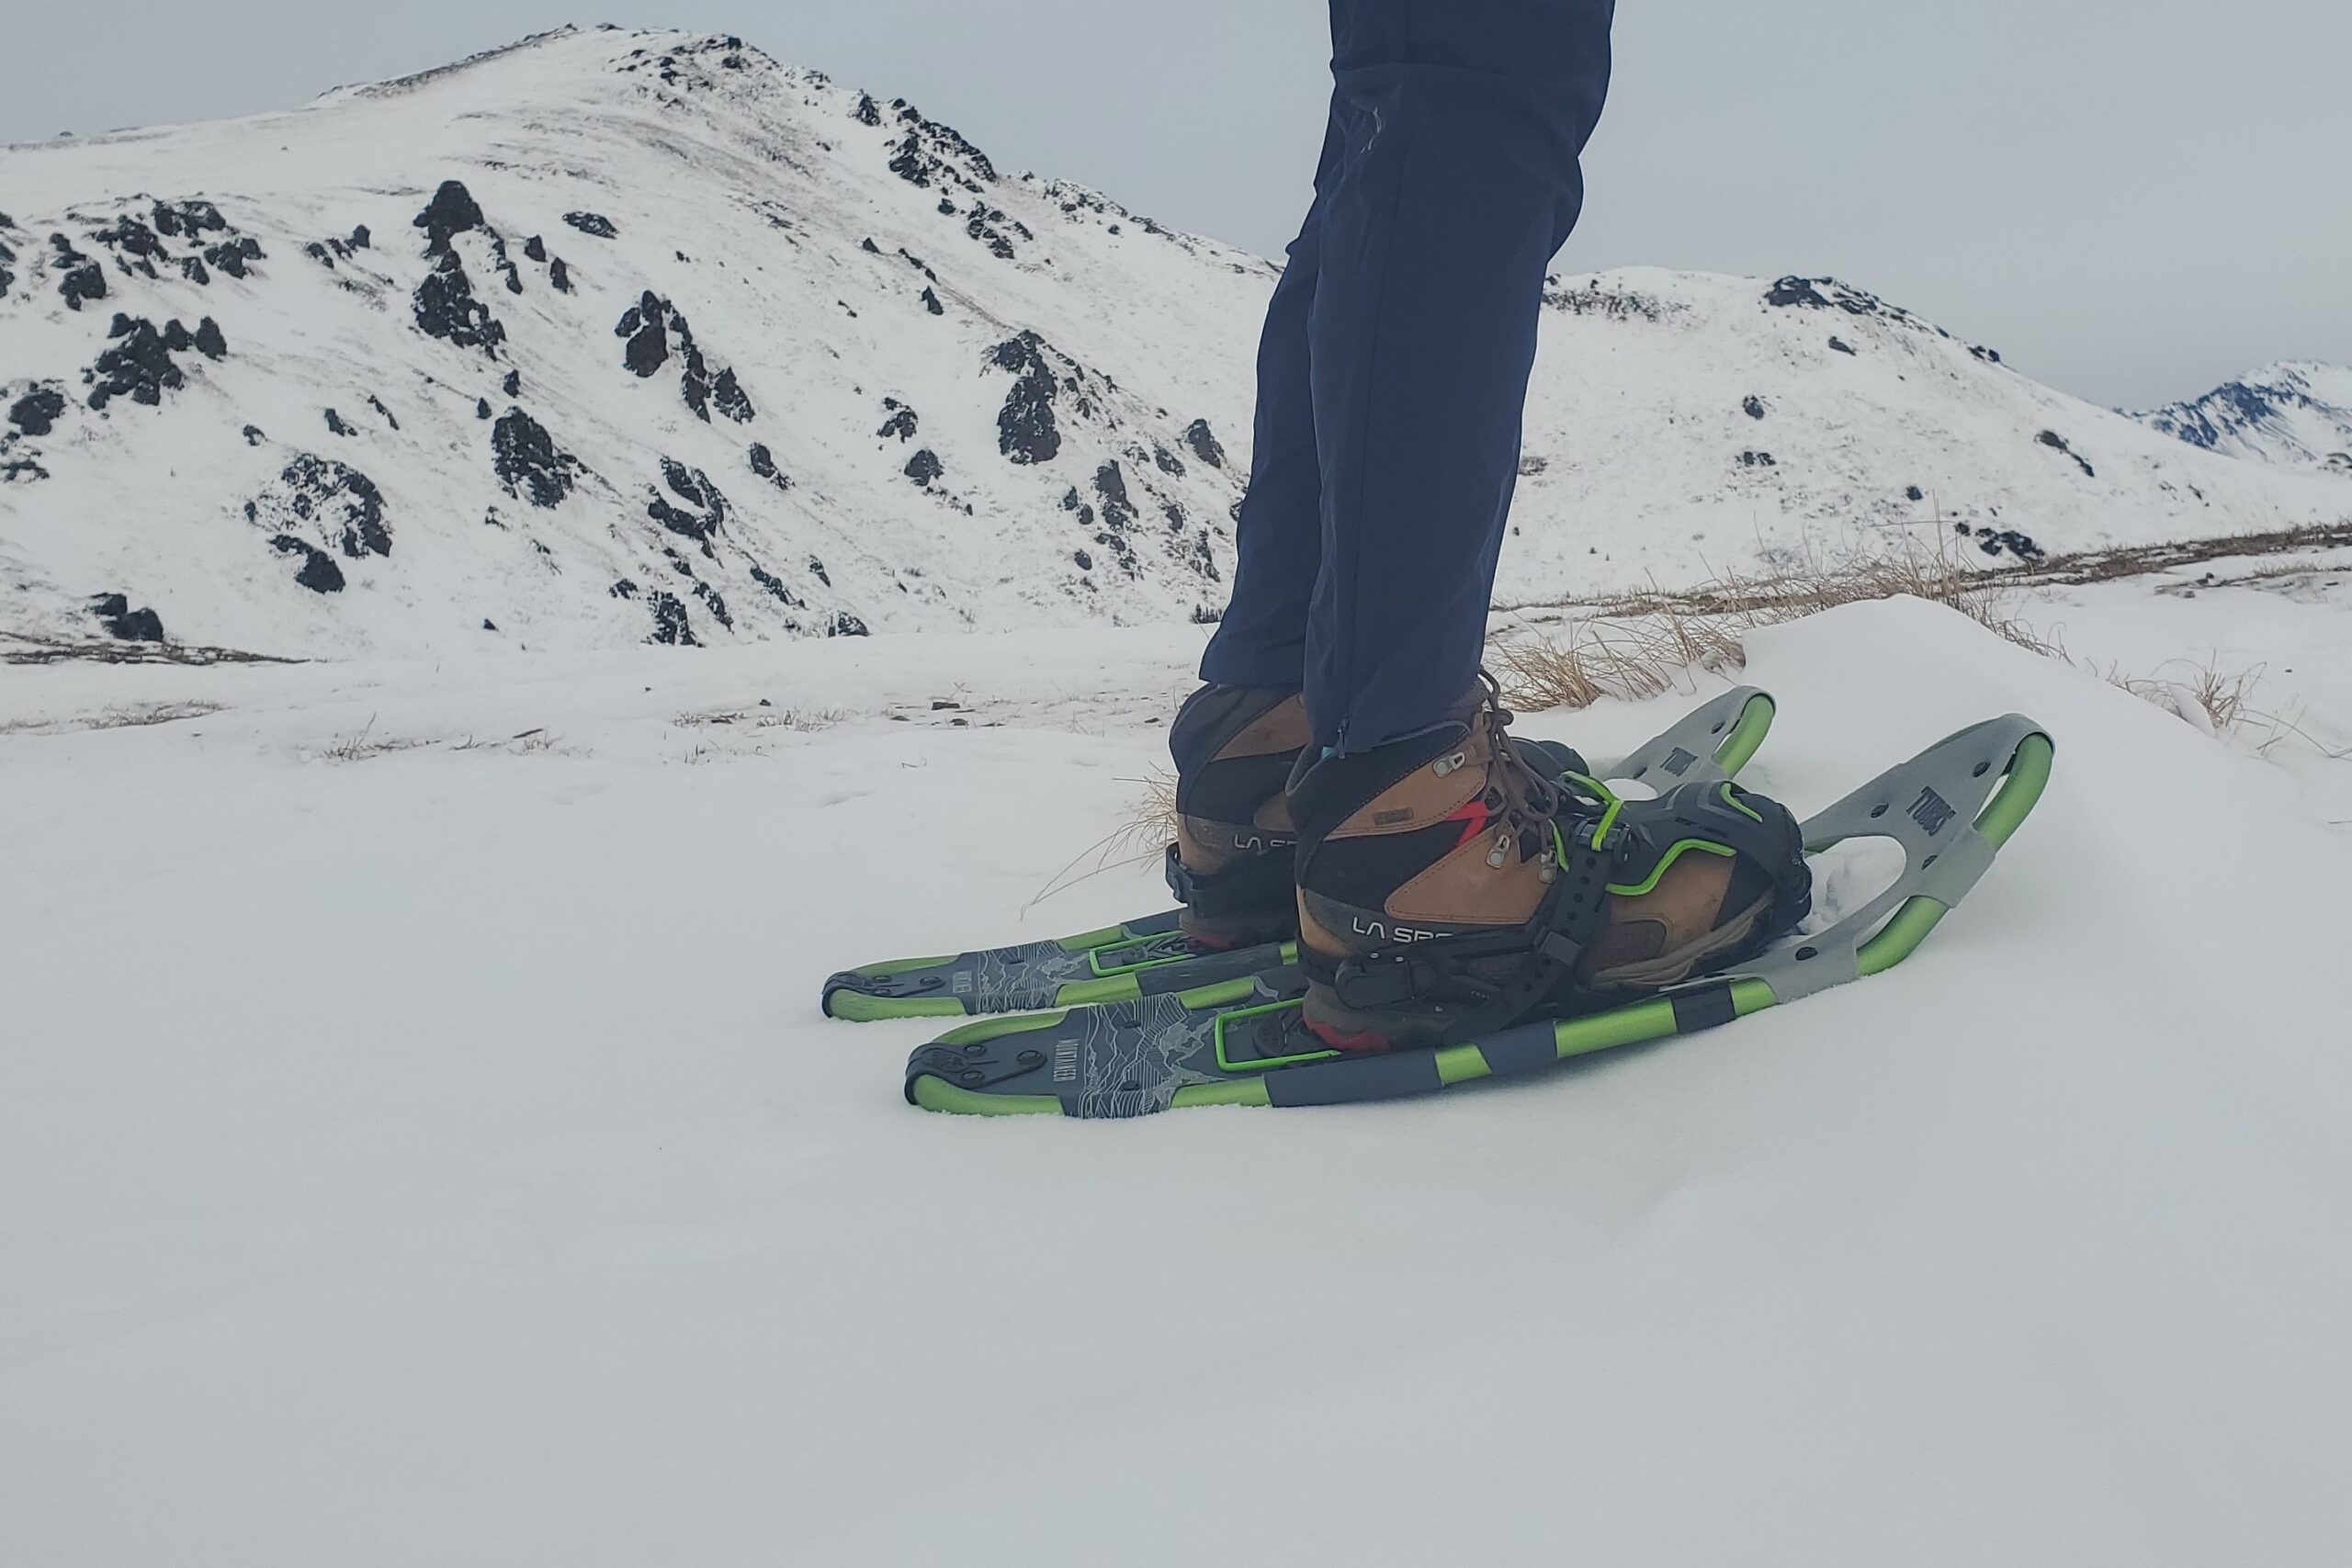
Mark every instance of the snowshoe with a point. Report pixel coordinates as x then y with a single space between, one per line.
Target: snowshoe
1240 1042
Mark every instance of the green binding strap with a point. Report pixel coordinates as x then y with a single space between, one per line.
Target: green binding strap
1635 889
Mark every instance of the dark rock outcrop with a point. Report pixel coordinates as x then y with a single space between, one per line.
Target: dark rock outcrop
2057 442
445 307
764 464
137 364
670 624
231 256
1997 542
1204 444
1026 431
452 212
319 573
115 614
704 510
1111 484
592 223
528 462
339 501
653 329
35 413
933 155
82 278
776 587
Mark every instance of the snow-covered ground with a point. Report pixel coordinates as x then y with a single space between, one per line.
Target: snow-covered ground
419 1143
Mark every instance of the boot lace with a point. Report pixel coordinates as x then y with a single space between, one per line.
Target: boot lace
1527 804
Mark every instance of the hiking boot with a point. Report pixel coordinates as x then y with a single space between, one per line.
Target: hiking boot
1451 885
1235 747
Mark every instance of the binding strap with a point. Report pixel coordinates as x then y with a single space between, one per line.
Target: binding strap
1245 886
1548 948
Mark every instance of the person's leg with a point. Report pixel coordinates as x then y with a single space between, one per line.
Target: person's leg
1236 739
1459 125
1278 538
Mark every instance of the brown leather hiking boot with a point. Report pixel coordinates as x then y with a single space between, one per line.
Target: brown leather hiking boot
1235 747
1447 888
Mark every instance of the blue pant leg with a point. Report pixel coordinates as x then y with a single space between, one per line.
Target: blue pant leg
1459 124
1278 533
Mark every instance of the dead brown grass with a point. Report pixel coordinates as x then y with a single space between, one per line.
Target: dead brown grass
1142 835
1639 645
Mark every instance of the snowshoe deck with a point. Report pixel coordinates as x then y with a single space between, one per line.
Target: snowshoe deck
1152 957
1238 1043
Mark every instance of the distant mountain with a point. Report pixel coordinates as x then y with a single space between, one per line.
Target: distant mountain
610 336
2294 413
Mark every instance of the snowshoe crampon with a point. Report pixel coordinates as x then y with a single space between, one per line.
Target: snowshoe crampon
1152 957
1237 1042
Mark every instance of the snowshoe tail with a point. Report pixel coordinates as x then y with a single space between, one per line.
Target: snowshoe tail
1238 1042
1151 957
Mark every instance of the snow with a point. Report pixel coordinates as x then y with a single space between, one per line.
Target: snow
433 1153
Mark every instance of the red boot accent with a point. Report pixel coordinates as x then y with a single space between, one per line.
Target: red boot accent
1358 1042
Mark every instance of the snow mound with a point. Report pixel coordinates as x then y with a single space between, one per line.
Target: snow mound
449 1162
607 337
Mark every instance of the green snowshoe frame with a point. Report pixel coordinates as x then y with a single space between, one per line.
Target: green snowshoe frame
1152 957
1951 809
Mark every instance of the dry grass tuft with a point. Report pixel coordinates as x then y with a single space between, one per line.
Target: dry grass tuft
2204 694
1639 645
1631 657
1142 836
2220 702
802 721
366 743
121 717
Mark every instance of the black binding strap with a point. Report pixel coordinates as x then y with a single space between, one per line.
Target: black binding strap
1549 947
1244 887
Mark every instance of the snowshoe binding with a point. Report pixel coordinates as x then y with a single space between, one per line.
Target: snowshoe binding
1449 885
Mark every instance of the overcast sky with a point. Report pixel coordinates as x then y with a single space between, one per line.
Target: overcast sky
2133 199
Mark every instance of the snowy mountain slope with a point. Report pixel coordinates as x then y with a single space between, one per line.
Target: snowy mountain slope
2297 414
689 329
449 1163
613 336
